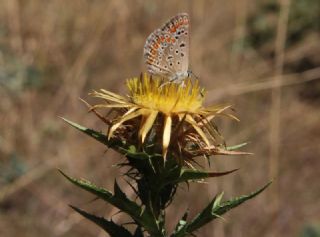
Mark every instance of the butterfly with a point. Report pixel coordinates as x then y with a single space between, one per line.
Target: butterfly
166 51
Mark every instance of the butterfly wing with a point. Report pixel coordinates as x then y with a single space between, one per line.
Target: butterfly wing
166 51
155 54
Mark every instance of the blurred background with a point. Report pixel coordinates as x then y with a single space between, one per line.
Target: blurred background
261 56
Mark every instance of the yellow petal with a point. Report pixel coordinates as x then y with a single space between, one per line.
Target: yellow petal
166 135
231 116
121 121
111 106
107 96
221 111
211 116
212 112
131 110
217 108
147 123
113 94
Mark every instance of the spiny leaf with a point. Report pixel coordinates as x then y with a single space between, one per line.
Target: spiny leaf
92 133
226 206
127 204
217 200
130 151
186 175
110 227
181 226
119 200
189 174
215 209
235 147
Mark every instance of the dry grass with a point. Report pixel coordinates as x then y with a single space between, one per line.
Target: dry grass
53 52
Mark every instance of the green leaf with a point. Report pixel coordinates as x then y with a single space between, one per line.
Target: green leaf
133 154
201 217
119 200
131 151
215 209
181 227
110 227
235 147
92 133
217 199
180 175
189 174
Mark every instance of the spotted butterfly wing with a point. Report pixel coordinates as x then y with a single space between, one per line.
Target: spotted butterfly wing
166 51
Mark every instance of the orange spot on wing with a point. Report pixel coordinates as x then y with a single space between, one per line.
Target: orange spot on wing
173 29
153 52
173 40
151 57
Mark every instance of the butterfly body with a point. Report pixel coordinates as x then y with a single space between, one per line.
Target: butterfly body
166 51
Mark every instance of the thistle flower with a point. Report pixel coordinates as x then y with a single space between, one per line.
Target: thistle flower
156 117
169 109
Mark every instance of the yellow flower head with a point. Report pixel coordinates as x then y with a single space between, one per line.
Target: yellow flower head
168 107
170 98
